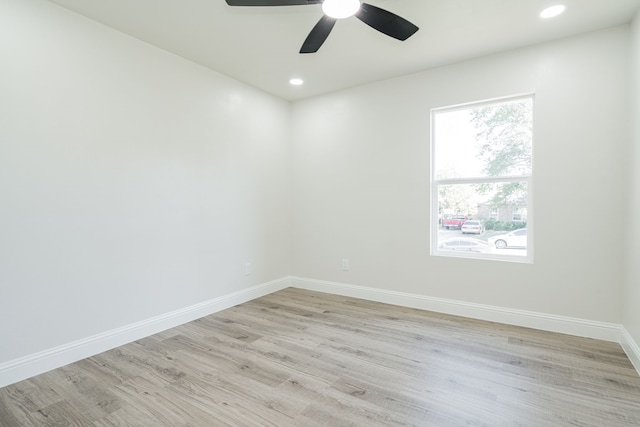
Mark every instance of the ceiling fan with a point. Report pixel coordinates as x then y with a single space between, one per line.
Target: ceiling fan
382 20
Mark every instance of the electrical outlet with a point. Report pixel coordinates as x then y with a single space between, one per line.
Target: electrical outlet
247 268
345 264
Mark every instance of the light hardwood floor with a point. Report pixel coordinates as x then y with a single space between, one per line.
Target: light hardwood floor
301 358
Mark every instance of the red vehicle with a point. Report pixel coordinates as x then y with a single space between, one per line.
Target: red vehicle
454 221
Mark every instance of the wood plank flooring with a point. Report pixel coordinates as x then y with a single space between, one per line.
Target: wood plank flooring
301 358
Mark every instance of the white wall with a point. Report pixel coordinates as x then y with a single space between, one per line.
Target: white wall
132 182
361 180
632 296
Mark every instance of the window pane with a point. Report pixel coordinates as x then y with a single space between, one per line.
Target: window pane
487 140
495 205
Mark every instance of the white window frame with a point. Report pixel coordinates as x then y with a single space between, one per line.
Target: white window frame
435 183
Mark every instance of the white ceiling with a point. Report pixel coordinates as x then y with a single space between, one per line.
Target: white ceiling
259 45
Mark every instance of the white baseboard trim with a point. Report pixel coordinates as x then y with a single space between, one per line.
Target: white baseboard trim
29 366
546 322
631 348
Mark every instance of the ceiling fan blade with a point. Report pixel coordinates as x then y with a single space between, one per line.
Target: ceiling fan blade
318 35
386 22
271 2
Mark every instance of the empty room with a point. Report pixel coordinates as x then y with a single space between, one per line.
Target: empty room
274 213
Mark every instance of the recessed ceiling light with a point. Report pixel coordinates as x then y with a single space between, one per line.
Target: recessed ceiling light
552 11
296 82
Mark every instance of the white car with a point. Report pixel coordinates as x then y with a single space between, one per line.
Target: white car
472 227
515 239
464 244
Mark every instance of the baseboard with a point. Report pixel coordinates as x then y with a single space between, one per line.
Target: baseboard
546 322
29 366
631 348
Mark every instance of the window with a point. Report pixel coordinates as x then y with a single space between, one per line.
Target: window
481 169
519 214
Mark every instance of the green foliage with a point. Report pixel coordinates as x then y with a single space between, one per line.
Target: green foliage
505 136
504 194
492 224
457 198
505 139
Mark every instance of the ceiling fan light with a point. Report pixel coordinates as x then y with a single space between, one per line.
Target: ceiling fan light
552 11
340 9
